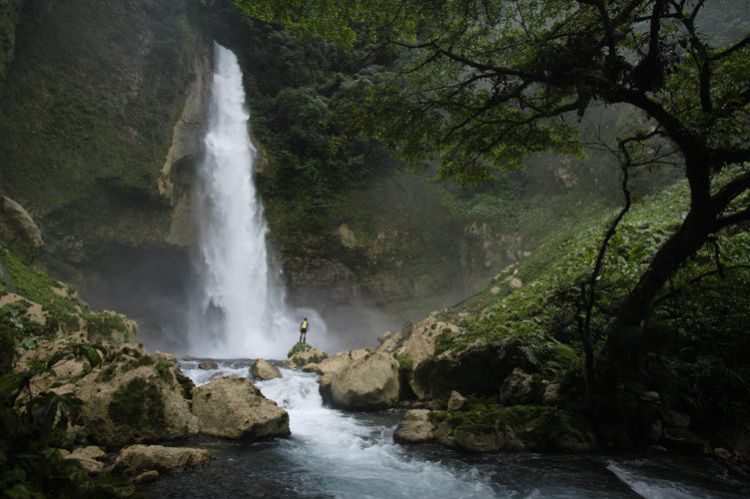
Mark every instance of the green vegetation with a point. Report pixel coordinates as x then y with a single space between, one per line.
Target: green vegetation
695 340
39 287
32 428
299 347
138 403
468 94
87 115
163 370
405 361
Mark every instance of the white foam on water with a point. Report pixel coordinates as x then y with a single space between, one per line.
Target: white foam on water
655 488
357 460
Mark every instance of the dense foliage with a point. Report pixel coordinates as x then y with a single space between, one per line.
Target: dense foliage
484 84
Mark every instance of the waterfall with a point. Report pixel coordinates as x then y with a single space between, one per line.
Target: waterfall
237 305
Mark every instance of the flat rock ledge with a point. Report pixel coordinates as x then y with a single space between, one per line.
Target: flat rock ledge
137 459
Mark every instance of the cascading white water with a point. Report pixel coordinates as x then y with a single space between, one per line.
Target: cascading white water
343 456
236 309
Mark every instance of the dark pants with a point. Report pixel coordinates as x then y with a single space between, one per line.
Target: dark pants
303 335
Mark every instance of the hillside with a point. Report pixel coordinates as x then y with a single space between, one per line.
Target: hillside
530 315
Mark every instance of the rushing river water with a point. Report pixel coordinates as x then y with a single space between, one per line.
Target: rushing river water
337 454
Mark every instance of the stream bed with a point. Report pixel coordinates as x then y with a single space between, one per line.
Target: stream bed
332 454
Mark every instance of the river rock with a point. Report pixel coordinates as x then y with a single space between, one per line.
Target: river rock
302 354
337 362
90 458
369 383
137 458
416 427
520 388
233 407
456 401
138 405
207 365
262 369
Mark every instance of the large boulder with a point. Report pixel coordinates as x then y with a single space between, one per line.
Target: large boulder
415 347
233 407
137 458
337 362
302 354
369 383
416 427
262 369
498 428
477 368
419 343
127 403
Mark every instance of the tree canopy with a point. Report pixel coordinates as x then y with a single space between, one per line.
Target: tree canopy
483 83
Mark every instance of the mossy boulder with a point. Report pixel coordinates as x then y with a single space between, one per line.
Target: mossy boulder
144 404
493 428
477 369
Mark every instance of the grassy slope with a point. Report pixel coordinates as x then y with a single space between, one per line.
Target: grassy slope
696 338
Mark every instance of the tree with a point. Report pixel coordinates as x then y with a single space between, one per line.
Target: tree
483 83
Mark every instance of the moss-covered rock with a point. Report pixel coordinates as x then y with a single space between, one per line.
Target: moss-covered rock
90 108
302 354
132 406
477 370
491 428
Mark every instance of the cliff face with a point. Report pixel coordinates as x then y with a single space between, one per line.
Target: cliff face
10 15
100 114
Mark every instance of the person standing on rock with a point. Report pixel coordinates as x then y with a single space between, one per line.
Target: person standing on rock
303 331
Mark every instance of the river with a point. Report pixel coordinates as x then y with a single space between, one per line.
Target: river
333 454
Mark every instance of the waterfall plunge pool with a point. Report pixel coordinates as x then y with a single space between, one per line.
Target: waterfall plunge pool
334 454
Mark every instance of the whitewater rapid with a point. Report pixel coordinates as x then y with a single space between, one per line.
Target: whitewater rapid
332 453
346 456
